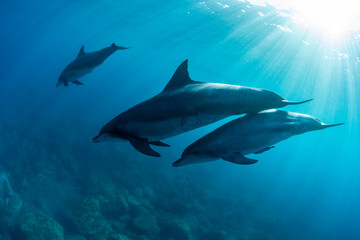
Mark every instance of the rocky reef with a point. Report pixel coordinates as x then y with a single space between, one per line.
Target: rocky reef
34 225
53 191
10 204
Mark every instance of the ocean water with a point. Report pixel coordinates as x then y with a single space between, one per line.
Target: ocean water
56 184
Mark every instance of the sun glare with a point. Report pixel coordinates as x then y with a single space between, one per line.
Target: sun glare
333 18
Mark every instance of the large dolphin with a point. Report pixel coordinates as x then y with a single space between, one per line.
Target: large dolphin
182 106
85 63
253 133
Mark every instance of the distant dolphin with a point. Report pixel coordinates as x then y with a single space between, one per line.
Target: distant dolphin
84 64
253 133
182 106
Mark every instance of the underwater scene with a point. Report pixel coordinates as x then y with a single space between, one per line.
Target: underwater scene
179 120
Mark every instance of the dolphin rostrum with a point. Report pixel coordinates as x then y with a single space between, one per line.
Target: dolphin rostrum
185 105
253 133
85 63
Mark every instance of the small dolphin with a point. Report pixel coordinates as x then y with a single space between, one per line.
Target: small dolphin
253 133
84 64
185 105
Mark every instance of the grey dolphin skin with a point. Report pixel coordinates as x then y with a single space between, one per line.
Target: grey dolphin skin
85 63
182 106
253 133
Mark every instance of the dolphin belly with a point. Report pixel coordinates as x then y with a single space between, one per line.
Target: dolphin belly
78 73
154 131
252 143
165 128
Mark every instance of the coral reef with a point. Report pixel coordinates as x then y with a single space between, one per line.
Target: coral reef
86 217
75 237
34 225
10 205
10 202
146 222
58 192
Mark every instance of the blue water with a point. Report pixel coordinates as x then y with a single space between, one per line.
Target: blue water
307 187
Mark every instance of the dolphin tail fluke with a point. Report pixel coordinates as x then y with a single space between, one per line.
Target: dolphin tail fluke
118 47
142 145
296 103
159 144
331 125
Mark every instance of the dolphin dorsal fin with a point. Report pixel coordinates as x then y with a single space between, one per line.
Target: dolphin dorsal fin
81 52
180 78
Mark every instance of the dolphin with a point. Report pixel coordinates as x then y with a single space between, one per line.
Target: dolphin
182 106
85 63
253 133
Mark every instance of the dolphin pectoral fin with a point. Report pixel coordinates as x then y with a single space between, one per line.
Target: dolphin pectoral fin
264 150
77 82
142 145
81 52
159 144
238 158
177 163
66 84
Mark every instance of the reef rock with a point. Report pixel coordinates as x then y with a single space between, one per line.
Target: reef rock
174 228
112 198
117 236
113 202
75 237
146 222
86 217
38 226
10 203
